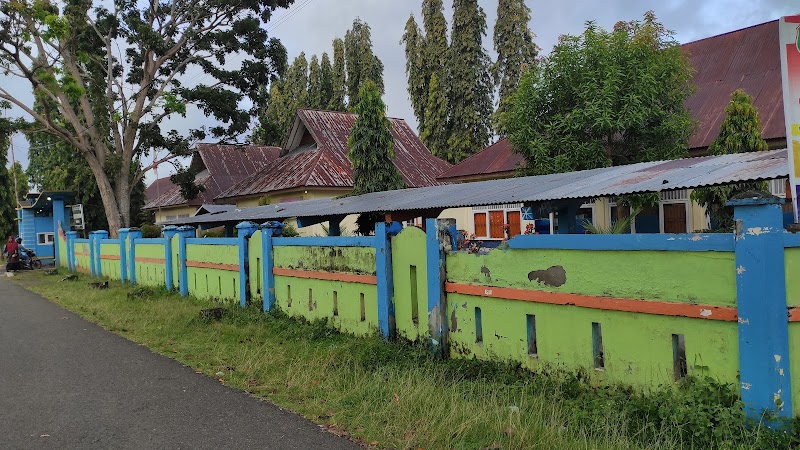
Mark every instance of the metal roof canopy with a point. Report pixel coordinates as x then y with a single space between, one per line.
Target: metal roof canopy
603 182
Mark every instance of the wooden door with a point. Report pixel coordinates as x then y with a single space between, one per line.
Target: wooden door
675 218
496 224
480 224
514 224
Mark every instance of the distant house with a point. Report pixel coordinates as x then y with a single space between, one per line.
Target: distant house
748 59
313 163
218 168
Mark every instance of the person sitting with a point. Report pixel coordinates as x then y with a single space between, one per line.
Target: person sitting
23 252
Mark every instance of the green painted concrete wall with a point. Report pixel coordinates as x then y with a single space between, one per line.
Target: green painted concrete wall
213 283
83 263
409 257
686 277
637 347
794 363
110 268
360 260
313 299
62 250
150 274
792 268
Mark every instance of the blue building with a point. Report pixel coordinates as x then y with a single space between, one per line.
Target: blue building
38 220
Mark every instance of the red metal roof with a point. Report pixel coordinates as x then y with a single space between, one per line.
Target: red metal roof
156 188
325 163
220 166
495 161
748 59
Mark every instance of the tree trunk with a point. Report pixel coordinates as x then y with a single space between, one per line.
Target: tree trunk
110 204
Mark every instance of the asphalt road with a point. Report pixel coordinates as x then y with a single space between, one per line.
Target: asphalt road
66 383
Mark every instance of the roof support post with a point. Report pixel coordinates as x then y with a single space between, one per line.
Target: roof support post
761 302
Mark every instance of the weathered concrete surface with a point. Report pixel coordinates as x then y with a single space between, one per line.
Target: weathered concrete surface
66 383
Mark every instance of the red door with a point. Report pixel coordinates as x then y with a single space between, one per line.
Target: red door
480 224
496 224
514 224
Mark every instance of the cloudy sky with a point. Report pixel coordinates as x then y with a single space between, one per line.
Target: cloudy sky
311 25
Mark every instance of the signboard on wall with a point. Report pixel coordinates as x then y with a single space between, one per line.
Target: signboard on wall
77 217
790 74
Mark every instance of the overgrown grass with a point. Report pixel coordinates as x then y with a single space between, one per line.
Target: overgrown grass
390 395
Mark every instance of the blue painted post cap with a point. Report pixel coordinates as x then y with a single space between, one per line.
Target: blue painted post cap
169 228
273 225
394 228
123 230
242 225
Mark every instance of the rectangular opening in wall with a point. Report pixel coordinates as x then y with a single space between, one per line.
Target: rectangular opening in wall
258 276
414 296
219 284
478 326
335 304
363 308
310 300
679 366
289 296
597 346
234 288
533 350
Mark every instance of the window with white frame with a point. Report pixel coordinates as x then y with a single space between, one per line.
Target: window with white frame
45 238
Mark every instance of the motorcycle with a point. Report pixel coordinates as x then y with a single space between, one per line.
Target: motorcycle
15 263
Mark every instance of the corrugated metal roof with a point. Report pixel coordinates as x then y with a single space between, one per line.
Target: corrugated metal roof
214 209
748 59
326 164
158 187
494 161
221 166
609 181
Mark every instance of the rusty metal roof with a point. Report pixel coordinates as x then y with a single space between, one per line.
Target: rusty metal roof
748 59
220 166
156 188
495 161
604 182
324 162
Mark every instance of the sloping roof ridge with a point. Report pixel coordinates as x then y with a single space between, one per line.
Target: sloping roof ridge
728 32
313 168
343 112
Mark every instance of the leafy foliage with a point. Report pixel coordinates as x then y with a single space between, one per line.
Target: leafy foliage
338 78
362 64
416 71
618 226
436 111
371 147
7 203
151 231
469 93
19 178
112 105
603 98
740 132
513 42
184 178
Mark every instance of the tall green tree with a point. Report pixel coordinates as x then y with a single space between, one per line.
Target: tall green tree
740 132
110 78
295 87
371 145
362 64
20 179
325 82
603 98
314 84
8 214
338 77
513 42
417 73
435 52
436 112
371 150
470 86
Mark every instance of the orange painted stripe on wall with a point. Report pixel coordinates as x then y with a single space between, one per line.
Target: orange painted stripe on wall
82 254
604 303
112 257
328 276
150 260
794 314
219 266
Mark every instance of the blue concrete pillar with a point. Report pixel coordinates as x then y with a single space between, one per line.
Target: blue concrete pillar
98 239
169 232
71 263
123 253
92 253
245 230
184 233
437 301
383 270
59 223
269 230
133 235
761 303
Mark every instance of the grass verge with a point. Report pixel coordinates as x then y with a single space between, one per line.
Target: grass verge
389 395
